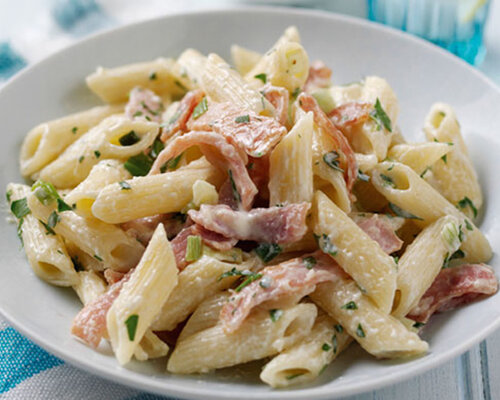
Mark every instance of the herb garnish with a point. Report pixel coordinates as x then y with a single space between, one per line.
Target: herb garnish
468 202
332 160
124 185
380 117
335 344
194 248
248 281
275 314
63 206
129 139
418 324
360 332
363 177
387 180
468 225
267 251
80 160
200 109
236 194
326 347
171 164
152 76
339 328
131 323
53 219
45 192
98 258
296 92
97 153
402 213
20 208
74 129
325 244
309 262
242 119
262 77
139 165
350 306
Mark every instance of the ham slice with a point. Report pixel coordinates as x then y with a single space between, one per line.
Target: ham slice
179 120
272 225
219 152
319 76
90 323
297 277
143 103
279 98
380 230
349 165
454 287
112 276
254 134
350 114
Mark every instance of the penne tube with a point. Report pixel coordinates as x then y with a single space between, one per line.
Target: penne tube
153 194
142 296
45 142
115 137
402 186
419 157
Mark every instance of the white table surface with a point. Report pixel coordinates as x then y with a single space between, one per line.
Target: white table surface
473 376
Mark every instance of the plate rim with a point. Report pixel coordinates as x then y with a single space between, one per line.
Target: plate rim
148 384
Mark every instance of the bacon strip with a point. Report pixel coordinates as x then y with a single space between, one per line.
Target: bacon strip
291 278
319 76
144 103
350 114
179 120
454 287
272 225
308 103
380 230
90 323
219 152
257 137
212 239
279 98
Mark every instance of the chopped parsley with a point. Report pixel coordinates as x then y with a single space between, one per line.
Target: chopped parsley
8 195
418 325
296 92
326 347
363 177
248 281
468 225
156 148
139 165
48 229
98 258
425 171
53 219
20 208
447 258
380 117
293 376
180 85
129 139
97 153
326 245
350 306
80 160
45 192
137 114
171 164
74 130
200 109
402 213
466 202
233 272
309 262
236 194
242 119
152 76
332 160
63 206
131 323
334 344
267 251
262 77
124 185
275 314
387 180
339 328
445 158
194 248
360 332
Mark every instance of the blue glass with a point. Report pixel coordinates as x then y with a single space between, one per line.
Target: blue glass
439 21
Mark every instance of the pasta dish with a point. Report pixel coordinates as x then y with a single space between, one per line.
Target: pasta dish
220 214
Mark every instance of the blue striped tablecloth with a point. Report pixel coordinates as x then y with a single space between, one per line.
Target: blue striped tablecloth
29 31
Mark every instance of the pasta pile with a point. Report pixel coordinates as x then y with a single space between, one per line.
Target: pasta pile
222 215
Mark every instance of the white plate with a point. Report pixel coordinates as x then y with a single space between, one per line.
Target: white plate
420 74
